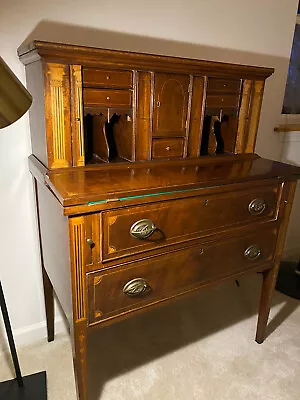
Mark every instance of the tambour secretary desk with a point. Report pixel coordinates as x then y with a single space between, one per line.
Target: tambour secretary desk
147 184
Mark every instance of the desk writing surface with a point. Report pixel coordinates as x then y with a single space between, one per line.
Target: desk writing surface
84 185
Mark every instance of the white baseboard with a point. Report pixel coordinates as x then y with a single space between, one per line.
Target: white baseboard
31 334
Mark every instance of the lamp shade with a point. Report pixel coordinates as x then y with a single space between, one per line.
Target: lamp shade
15 100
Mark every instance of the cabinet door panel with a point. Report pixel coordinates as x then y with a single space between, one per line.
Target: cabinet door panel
170 104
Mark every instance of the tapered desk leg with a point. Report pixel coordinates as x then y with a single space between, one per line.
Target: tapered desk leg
270 275
80 358
49 305
269 280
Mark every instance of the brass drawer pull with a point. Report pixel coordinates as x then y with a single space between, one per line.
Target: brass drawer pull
168 148
257 206
142 229
136 287
252 252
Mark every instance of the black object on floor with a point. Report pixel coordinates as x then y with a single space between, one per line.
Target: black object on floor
34 388
288 281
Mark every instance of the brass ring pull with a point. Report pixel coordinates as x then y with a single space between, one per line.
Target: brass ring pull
252 252
142 229
136 287
257 206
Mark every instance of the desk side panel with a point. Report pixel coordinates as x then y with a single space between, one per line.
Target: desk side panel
54 232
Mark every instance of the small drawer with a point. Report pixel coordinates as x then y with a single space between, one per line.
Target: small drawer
105 78
136 229
166 148
223 85
222 101
141 284
107 98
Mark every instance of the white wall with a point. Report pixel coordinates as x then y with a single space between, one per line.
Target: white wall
249 32
291 154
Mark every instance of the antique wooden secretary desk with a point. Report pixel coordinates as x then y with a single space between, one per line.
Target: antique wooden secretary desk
147 184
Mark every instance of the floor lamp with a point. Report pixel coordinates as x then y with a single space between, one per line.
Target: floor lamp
14 102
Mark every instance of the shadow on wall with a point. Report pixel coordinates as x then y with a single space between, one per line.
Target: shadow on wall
85 36
268 143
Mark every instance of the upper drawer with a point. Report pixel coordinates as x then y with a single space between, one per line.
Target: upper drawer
135 229
222 101
137 285
106 98
105 78
223 85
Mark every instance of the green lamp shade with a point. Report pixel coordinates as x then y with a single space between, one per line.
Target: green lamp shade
15 100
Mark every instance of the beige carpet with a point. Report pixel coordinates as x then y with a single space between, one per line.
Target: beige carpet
201 347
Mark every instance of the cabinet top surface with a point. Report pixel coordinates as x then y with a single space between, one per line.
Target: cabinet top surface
76 186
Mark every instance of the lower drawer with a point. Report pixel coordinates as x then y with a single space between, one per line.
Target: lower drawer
167 148
145 283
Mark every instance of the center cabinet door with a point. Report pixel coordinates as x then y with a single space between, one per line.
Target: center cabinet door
171 97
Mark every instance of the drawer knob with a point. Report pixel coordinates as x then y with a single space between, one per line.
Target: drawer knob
90 243
142 229
107 98
168 148
107 77
257 206
252 252
136 287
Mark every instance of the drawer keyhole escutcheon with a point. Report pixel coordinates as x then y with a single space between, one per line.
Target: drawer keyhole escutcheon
136 287
142 229
257 206
252 252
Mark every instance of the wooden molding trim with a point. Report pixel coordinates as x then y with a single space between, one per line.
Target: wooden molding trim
288 128
71 54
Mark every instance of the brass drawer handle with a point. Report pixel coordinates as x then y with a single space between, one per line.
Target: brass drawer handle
136 287
168 148
252 252
257 206
142 229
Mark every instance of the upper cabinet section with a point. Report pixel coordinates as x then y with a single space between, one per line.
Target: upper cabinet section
93 106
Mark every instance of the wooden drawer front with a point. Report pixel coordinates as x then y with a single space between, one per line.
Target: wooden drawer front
170 275
221 101
105 78
106 98
180 220
166 148
223 85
